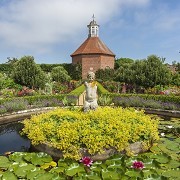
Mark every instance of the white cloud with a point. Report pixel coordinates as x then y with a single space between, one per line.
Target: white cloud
38 24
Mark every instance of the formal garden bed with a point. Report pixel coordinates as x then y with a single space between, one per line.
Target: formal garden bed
96 131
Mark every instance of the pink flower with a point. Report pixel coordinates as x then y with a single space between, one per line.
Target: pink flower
87 161
137 165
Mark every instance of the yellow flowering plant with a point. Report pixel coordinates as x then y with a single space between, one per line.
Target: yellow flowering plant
69 130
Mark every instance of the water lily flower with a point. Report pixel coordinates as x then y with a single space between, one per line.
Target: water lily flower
169 127
137 165
87 161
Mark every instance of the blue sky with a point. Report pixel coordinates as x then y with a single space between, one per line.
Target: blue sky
51 30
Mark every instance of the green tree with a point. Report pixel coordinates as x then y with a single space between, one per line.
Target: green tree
147 73
59 74
124 73
106 74
11 61
156 73
138 73
28 73
176 79
122 62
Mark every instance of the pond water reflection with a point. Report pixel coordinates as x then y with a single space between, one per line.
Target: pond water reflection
11 140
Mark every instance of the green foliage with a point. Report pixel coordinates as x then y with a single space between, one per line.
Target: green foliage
112 86
74 70
105 74
176 79
27 72
124 73
104 100
101 89
22 103
59 74
163 98
6 68
122 62
15 105
147 73
143 101
6 82
156 72
69 130
78 91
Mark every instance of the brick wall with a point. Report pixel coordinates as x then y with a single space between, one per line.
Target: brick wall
94 62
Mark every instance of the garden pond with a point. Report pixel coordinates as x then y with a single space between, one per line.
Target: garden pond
161 162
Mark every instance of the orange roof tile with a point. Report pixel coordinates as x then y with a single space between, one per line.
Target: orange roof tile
93 45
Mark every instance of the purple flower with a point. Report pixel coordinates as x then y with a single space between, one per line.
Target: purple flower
137 165
87 161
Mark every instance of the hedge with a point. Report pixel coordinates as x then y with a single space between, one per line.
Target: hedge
163 98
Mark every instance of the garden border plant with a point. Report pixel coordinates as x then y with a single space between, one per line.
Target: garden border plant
107 128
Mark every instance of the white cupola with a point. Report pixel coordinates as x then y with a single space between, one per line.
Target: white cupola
93 28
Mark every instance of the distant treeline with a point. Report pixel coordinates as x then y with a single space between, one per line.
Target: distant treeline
73 70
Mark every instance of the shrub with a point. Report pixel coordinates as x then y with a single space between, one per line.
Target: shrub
96 131
104 100
2 109
137 101
28 73
47 103
15 105
59 74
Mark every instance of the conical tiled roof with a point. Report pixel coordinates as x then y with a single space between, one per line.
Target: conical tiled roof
93 45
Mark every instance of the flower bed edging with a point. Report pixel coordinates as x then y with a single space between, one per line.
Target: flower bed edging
136 148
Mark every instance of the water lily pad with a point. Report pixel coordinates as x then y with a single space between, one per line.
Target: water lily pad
155 149
93 176
147 173
57 170
162 158
64 163
115 166
134 173
22 169
177 140
48 165
95 168
4 162
74 169
172 173
173 164
40 159
32 174
110 174
46 176
9 176
17 156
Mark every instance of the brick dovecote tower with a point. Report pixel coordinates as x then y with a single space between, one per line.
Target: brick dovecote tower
93 54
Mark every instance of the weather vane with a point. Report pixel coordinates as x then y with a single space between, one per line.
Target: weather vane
93 17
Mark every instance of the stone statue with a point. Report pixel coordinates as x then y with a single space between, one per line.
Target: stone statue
91 93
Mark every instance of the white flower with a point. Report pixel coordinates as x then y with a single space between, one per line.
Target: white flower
169 127
163 134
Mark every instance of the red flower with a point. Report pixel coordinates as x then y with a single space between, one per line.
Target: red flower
87 161
137 165
161 92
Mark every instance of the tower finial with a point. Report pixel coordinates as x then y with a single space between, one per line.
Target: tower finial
93 28
93 17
